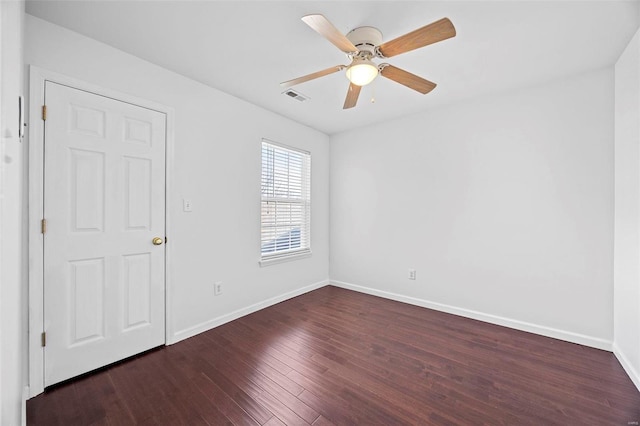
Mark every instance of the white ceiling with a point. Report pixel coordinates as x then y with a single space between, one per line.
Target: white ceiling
247 48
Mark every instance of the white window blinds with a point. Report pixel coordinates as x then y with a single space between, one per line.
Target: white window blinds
286 201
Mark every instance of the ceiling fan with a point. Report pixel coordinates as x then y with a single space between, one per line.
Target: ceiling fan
365 43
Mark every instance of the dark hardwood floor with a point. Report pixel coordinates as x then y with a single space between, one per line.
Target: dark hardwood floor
334 356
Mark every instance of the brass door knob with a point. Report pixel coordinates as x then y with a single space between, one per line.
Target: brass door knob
157 241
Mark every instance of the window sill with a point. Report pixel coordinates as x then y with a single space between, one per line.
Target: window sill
286 258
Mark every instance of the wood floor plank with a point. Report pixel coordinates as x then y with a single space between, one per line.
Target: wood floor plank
249 361
236 387
104 398
321 421
337 357
225 404
275 422
248 344
277 400
333 405
512 380
204 396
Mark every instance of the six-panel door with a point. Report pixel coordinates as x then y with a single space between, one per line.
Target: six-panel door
104 203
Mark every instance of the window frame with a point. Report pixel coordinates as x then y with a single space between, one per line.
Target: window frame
278 256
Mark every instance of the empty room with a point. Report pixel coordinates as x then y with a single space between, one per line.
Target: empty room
320 212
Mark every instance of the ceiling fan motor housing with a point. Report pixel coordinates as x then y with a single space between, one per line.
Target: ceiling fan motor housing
365 39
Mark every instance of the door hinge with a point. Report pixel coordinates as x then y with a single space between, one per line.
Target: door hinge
44 226
44 112
43 339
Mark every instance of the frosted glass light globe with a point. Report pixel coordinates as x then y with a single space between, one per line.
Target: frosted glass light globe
362 72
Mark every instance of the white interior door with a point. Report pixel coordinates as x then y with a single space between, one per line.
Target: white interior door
104 203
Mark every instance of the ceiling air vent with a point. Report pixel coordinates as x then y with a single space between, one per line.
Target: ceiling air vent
295 95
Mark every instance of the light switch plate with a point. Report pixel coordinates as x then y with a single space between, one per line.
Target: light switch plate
186 205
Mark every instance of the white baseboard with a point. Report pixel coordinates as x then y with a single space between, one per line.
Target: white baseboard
555 333
568 336
626 364
215 322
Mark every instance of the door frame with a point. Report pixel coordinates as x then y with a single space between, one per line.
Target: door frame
37 78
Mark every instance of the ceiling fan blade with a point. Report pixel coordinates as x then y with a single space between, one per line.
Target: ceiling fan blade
429 34
352 96
405 78
312 76
326 29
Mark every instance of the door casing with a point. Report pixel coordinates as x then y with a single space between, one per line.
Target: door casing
37 78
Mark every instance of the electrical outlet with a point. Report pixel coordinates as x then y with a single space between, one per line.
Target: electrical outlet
217 288
412 274
186 205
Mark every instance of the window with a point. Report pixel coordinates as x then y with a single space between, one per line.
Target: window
286 202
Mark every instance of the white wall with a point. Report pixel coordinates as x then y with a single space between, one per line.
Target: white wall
627 210
12 359
217 166
503 205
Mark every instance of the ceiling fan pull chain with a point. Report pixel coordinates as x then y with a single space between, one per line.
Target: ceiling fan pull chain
373 92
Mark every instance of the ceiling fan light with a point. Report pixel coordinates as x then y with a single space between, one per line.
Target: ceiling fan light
362 72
